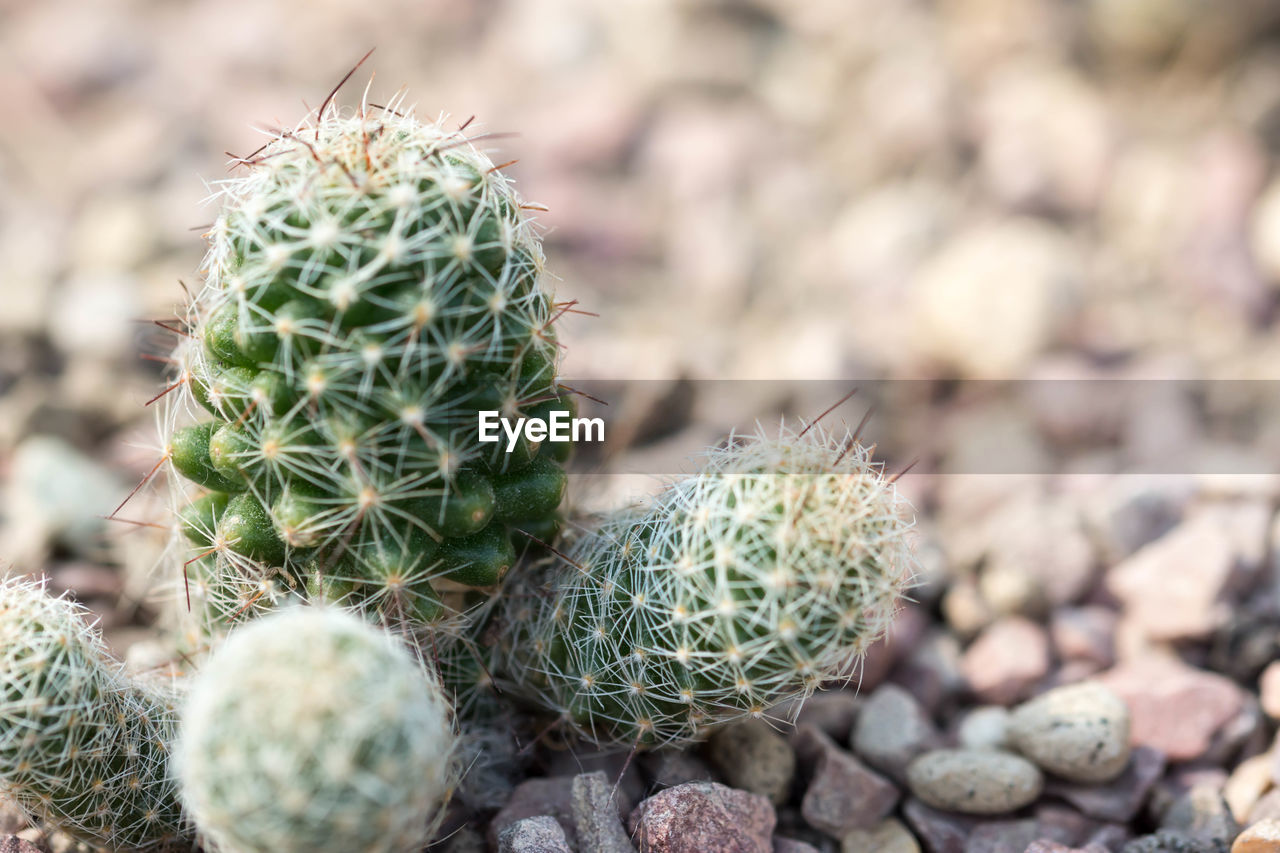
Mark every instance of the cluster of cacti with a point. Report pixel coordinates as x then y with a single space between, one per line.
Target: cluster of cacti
751 582
372 283
82 746
310 730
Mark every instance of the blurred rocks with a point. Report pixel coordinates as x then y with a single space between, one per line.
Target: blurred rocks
701 816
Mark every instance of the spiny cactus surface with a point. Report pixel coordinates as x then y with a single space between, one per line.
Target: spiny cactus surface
312 731
373 282
768 572
82 746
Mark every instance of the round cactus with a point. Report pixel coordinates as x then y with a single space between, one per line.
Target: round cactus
770 571
310 730
373 283
82 746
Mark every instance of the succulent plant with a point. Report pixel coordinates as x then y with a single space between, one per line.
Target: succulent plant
83 746
754 581
310 730
372 283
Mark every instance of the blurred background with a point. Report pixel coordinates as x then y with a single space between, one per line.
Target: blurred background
746 189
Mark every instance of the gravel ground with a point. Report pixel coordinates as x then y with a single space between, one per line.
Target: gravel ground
784 193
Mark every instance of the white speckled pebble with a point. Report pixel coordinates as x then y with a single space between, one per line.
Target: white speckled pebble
1079 732
985 727
974 781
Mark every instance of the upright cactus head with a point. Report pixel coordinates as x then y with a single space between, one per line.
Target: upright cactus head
312 731
82 746
372 283
748 583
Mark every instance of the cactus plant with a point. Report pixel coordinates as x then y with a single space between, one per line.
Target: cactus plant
372 283
768 572
309 730
82 745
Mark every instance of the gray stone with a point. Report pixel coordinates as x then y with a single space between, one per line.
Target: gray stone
1120 799
751 756
833 711
843 794
791 845
1002 836
56 493
940 832
594 806
1202 815
985 727
892 729
667 768
703 816
974 781
533 798
1079 732
540 834
888 836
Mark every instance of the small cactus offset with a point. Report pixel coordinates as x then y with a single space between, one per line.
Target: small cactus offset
310 730
373 283
767 573
82 746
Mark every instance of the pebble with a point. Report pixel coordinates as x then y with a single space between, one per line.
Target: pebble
888 836
1246 785
974 781
1262 837
891 730
1006 661
1202 815
1269 690
701 816
938 831
1015 275
985 727
56 493
1174 708
791 845
1266 808
833 711
533 798
541 834
1120 799
843 794
594 806
1079 732
1178 587
1084 634
667 768
751 756
13 819
1002 836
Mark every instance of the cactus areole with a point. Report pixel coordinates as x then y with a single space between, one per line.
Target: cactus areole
373 283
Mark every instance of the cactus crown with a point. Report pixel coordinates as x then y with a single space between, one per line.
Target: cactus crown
751 582
312 731
372 282
81 745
